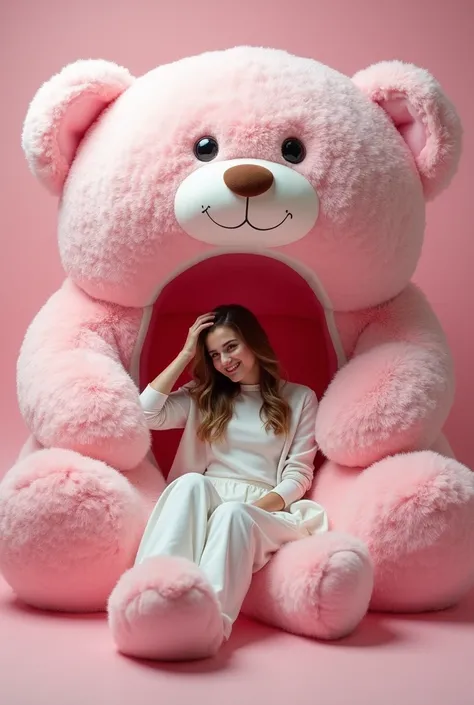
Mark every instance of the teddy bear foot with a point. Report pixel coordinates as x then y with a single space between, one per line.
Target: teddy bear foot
164 609
318 587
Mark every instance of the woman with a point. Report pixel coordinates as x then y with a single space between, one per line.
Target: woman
250 446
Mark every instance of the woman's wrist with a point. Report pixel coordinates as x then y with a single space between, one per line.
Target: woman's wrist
271 502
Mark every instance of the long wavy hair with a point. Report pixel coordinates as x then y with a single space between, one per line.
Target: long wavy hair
215 393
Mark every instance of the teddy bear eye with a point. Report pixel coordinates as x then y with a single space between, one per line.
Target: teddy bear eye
293 150
206 149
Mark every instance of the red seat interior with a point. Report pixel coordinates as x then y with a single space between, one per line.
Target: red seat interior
283 301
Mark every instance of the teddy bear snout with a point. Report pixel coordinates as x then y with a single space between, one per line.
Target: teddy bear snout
248 180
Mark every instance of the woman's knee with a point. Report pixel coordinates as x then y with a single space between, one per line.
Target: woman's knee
191 482
233 511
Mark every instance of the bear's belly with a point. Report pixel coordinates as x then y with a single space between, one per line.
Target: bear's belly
299 328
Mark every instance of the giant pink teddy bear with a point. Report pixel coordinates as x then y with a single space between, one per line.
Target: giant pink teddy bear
251 176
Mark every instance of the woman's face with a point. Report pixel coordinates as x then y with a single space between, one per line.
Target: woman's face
231 356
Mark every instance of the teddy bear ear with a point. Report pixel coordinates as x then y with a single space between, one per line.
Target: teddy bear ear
423 116
62 111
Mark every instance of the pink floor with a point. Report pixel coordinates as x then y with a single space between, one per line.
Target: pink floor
67 660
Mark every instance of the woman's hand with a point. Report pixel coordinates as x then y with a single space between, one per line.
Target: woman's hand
271 502
166 380
200 324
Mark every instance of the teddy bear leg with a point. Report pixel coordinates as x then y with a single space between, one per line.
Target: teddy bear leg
319 587
415 512
69 527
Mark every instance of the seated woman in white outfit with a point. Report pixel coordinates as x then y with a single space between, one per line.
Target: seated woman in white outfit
235 495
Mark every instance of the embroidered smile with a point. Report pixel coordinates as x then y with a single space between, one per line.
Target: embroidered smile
246 220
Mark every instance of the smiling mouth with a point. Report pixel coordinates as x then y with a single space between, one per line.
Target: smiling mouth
246 220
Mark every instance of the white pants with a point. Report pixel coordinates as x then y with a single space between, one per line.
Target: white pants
229 539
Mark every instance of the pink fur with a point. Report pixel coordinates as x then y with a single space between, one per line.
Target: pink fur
116 149
165 609
72 525
415 512
61 113
318 587
100 414
396 392
110 238
424 116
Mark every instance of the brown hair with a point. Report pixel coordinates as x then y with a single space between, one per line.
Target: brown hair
214 393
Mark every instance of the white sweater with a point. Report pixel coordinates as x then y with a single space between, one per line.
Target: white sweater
248 452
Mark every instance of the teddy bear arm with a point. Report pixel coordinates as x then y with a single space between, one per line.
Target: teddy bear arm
396 390
73 390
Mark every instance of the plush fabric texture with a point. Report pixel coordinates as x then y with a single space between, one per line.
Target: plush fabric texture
61 113
165 609
319 587
118 235
65 516
116 149
415 512
425 118
100 414
396 393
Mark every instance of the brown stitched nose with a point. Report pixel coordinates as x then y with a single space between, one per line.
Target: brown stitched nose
248 180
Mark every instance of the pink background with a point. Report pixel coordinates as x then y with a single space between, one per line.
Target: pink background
390 659
38 38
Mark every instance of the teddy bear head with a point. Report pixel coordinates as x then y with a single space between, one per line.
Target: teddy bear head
245 150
